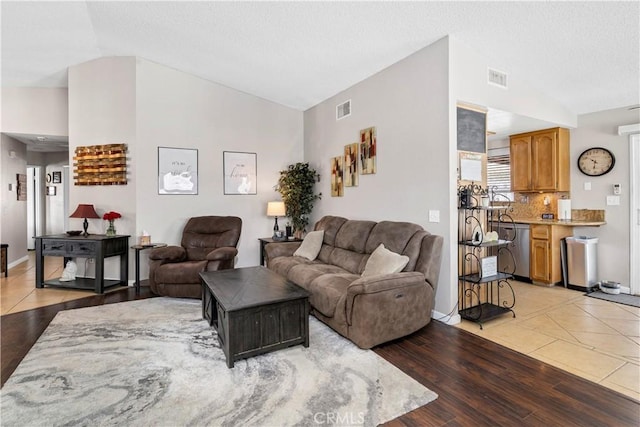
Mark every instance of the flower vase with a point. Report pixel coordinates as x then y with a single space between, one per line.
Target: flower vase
111 230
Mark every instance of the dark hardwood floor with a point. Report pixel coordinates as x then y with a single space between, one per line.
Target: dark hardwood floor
479 383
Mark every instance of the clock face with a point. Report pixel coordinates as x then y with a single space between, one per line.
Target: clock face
596 161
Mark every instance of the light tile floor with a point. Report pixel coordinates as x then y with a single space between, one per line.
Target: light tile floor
594 339
591 338
18 291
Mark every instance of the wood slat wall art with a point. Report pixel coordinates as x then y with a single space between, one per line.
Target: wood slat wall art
100 165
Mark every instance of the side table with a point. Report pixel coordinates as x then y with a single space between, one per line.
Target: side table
138 249
97 246
265 240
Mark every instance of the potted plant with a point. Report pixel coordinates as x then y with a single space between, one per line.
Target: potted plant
296 187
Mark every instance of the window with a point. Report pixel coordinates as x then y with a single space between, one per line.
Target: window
499 172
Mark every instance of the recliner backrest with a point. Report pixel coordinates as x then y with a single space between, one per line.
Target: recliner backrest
203 234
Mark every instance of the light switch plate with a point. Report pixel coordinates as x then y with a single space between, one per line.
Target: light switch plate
587 186
434 216
613 200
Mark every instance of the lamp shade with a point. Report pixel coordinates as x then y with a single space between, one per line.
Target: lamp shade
276 209
84 211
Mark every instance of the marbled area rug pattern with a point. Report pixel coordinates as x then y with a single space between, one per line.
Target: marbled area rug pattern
156 362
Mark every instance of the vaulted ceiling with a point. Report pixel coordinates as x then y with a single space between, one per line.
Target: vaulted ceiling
584 54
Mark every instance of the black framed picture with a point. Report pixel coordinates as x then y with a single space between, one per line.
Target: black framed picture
177 170
51 190
57 177
240 172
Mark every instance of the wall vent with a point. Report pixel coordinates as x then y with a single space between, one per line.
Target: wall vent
497 78
343 110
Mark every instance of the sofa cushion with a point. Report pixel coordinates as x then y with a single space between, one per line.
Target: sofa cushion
351 261
394 235
327 289
310 246
384 261
331 225
353 235
283 264
305 273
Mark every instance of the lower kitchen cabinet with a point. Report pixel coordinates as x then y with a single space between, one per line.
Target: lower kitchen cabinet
545 265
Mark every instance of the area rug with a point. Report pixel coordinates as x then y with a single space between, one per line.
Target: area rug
625 299
155 362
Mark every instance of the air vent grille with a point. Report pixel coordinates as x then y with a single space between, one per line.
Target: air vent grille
497 78
343 110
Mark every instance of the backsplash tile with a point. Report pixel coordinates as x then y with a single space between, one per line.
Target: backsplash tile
531 205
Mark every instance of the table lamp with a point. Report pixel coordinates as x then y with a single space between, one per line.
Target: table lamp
85 211
276 209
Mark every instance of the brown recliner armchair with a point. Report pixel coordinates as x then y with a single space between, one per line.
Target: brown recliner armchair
208 244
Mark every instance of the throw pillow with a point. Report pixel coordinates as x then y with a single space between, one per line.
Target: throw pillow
310 246
383 261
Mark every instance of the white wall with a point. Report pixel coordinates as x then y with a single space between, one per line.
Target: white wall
600 129
469 84
146 105
41 111
408 105
102 110
13 213
175 109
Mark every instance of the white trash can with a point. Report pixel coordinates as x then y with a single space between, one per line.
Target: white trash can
582 262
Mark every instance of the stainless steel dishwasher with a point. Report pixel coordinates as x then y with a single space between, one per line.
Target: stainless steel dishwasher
519 248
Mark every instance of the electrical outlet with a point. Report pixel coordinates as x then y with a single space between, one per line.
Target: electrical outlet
613 200
587 186
434 216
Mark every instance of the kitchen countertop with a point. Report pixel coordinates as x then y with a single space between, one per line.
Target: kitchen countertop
569 223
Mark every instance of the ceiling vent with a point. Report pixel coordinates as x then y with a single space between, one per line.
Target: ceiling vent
343 110
497 78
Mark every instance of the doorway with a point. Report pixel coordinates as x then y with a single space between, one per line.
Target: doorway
34 205
634 217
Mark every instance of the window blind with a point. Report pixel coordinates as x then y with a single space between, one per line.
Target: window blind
499 174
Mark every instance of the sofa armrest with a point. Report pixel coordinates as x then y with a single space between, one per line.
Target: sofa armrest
381 283
168 254
222 254
274 250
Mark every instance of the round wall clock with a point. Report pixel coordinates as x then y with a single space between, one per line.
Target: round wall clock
596 161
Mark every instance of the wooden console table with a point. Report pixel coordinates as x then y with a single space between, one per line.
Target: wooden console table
95 246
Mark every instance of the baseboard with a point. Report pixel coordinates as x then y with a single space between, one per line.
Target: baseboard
449 319
18 261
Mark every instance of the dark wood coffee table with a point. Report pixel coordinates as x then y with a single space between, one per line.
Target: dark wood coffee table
254 311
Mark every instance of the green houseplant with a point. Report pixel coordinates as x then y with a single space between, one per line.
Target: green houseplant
296 185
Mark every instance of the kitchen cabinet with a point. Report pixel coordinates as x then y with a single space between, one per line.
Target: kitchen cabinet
540 161
544 251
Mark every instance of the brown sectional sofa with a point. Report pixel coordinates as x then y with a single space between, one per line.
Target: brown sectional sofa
367 310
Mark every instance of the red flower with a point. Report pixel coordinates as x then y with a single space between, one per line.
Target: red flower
110 216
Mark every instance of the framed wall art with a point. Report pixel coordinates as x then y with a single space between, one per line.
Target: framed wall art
21 188
57 177
51 190
99 165
240 172
337 173
177 170
368 148
351 165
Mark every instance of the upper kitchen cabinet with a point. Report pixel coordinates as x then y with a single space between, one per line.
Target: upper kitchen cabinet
540 161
